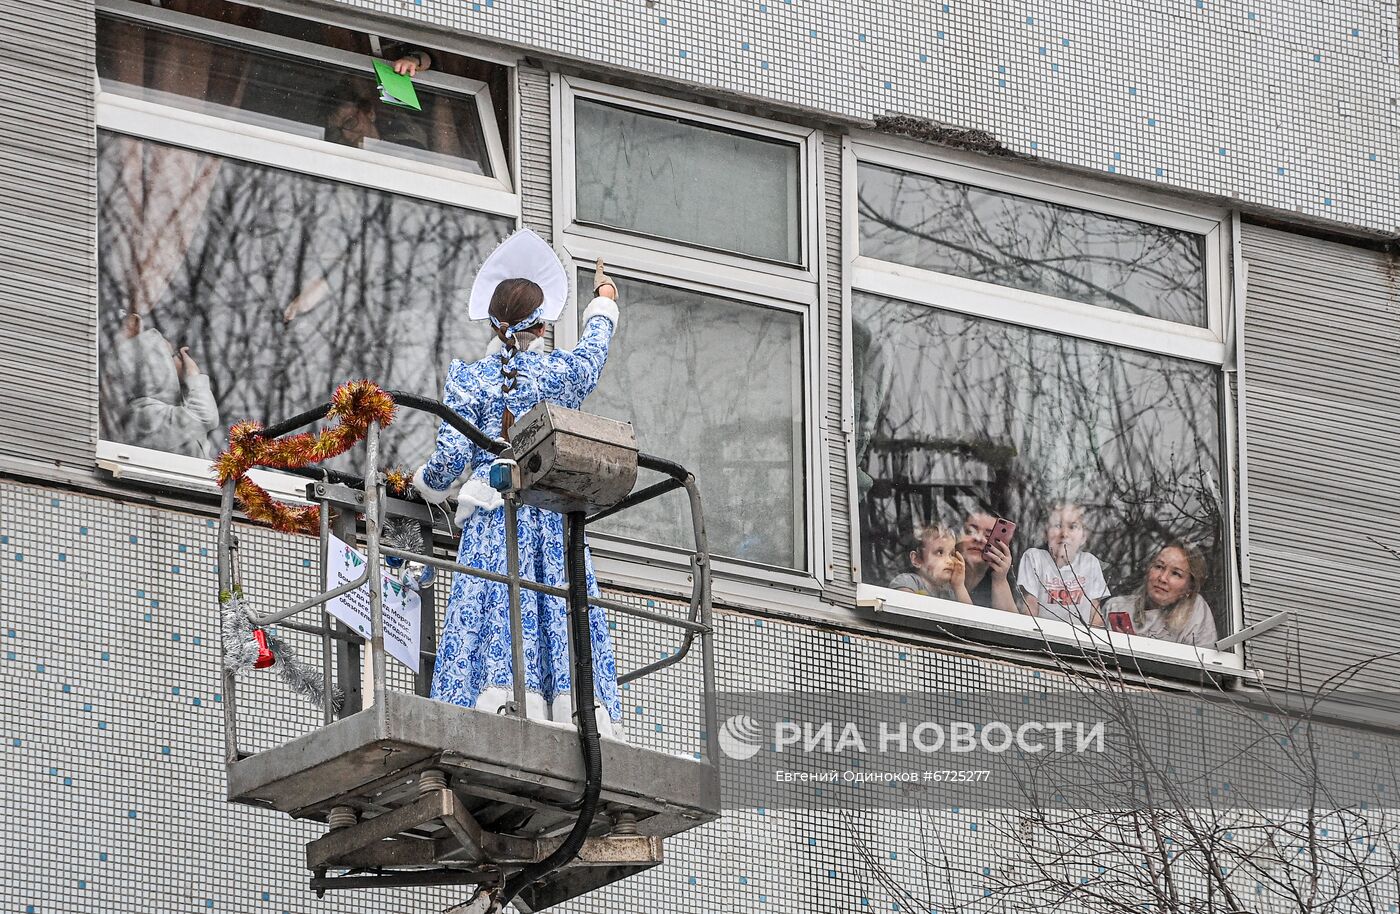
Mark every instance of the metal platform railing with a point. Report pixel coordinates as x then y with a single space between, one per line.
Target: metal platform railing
350 496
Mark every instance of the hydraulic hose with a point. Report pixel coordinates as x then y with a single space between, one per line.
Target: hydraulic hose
581 634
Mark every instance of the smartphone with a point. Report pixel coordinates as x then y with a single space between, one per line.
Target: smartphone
1121 622
1002 531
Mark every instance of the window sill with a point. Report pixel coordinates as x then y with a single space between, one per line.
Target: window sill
1026 631
188 474
666 572
217 136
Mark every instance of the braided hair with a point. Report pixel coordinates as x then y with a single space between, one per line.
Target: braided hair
513 301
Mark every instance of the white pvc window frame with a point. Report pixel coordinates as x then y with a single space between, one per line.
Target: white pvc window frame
1034 309
1212 344
803 440
202 132
750 281
569 90
338 162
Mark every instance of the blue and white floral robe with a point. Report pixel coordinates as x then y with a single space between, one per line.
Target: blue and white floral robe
474 653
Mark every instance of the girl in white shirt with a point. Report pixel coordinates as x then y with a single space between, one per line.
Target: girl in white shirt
1063 581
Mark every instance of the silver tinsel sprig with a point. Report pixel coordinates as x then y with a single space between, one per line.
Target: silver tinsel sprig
241 651
407 534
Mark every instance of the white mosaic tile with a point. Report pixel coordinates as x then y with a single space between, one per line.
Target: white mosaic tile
1286 105
112 740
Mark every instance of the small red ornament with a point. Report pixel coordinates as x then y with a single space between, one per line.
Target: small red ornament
265 656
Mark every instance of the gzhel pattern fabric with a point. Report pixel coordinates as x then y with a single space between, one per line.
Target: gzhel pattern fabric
474 654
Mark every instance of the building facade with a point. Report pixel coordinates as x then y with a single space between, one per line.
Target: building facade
882 269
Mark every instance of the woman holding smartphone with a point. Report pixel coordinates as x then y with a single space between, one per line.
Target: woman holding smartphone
1168 604
988 563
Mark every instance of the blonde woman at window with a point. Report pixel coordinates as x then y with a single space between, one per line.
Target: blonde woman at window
988 564
521 287
1168 605
939 570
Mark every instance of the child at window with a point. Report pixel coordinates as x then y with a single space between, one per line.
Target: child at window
939 570
1062 581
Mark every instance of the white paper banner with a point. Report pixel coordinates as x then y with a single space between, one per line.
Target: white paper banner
402 607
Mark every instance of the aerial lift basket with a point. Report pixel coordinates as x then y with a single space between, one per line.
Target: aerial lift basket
418 792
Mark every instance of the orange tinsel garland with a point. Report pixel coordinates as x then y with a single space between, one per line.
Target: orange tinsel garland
398 481
355 403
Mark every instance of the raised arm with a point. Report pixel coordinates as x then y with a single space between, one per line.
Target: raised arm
998 559
583 365
199 398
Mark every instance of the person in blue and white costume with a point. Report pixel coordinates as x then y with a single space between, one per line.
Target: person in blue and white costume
521 287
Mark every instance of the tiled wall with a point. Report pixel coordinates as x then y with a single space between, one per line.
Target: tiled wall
112 737
1289 105
111 740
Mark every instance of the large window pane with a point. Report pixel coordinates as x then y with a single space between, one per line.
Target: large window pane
280 285
296 96
958 415
1002 238
716 385
670 178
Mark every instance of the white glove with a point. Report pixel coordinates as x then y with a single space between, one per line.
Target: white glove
476 493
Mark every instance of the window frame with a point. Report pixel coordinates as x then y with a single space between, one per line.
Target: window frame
1036 309
476 90
147 120
570 89
746 280
1212 345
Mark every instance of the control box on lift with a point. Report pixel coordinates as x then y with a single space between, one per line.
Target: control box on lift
572 461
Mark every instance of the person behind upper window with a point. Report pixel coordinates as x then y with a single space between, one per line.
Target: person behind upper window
988 564
1168 604
356 112
939 570
1062 581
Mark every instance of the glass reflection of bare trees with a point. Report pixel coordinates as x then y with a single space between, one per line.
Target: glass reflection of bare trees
716 385
289 94
282 285
1042 247
955 411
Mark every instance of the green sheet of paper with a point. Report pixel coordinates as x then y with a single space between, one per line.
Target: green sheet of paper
395 89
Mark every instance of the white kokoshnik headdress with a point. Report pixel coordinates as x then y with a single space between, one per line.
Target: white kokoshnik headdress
522 255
